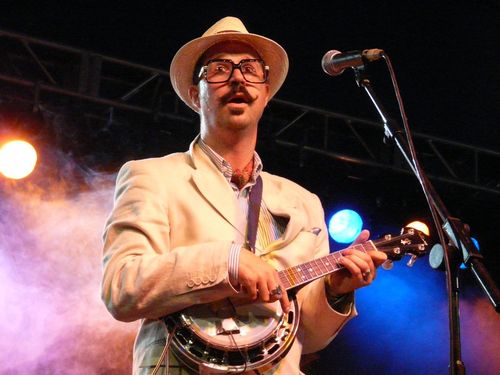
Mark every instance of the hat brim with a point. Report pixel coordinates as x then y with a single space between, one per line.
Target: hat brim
184 62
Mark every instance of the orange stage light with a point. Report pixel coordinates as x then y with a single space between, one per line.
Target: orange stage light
419 225
17 159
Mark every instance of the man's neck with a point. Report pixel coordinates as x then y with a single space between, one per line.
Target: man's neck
237 151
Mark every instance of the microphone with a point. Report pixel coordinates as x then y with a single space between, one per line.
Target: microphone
335 62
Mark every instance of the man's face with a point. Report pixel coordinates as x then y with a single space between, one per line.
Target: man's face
235 104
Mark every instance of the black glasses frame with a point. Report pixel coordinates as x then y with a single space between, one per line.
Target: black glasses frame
204 69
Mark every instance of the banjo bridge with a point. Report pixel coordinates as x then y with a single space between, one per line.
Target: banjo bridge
227 327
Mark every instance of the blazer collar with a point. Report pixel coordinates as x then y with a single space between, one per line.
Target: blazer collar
212 184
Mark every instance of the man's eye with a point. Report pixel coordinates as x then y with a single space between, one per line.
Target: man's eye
248 68
221 68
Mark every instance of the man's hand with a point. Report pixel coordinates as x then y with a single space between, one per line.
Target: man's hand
258 280
359 268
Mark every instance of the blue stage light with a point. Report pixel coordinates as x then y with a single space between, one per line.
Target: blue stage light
344 226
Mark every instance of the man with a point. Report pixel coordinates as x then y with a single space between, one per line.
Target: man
180 233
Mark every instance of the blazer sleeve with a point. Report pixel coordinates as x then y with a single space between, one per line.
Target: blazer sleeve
143 277
319 323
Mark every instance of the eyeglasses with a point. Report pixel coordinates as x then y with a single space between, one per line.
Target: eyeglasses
221 70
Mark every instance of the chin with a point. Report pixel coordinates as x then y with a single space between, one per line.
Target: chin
239 125
237 116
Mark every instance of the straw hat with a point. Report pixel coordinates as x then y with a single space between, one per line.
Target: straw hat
228 28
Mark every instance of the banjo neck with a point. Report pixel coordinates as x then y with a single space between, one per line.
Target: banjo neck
309 271
411 242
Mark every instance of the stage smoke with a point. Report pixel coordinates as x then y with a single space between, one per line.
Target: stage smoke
52 319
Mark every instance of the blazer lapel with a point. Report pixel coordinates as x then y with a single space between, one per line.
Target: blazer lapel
212 184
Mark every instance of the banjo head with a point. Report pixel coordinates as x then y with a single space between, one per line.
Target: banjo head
228 338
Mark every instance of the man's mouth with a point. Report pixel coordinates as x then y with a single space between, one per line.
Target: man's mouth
237 100
238 97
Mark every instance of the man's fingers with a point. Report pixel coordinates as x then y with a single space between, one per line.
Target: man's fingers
378 257
359 265
265 291
354 269
260 281
285 302
251 291
278 293
362 237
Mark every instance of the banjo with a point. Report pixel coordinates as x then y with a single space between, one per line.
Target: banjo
224 337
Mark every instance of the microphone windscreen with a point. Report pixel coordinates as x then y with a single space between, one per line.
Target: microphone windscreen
326 63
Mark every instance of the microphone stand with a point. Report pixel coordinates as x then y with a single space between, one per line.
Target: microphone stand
459 245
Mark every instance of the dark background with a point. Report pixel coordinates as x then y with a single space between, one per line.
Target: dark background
445 53
445 56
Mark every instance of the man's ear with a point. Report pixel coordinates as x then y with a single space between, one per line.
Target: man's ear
267 94
194 94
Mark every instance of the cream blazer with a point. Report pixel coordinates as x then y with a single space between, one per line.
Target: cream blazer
167 242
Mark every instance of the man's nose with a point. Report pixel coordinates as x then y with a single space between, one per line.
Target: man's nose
237 76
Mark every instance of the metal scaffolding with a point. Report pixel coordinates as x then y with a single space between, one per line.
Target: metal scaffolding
104 91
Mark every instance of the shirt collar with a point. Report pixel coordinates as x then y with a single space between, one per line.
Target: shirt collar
225 168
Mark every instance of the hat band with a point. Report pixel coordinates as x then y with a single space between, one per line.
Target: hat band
229 31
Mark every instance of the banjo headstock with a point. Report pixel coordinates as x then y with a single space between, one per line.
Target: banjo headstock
410 242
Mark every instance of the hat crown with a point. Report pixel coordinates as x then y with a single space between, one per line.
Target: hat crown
226 25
